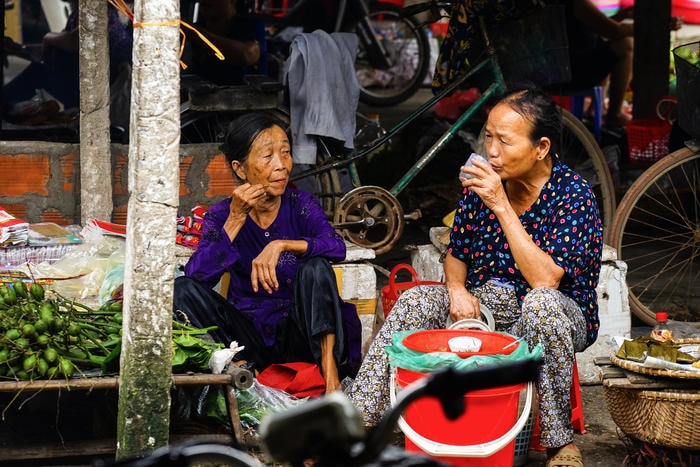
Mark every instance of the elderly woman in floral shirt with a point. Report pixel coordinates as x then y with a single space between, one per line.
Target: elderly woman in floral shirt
526 244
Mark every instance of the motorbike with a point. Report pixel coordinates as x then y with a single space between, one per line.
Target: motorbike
394 51
329 430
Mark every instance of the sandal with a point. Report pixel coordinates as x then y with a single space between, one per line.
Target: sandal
569 455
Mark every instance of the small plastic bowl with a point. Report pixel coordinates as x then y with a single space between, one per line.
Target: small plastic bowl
464 344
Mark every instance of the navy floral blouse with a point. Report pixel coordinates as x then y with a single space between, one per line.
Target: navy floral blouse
564 221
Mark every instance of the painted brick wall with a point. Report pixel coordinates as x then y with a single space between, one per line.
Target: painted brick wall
40 182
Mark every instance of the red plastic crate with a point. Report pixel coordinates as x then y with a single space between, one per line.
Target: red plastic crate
647 140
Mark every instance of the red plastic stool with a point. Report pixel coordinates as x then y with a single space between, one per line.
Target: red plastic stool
576 413
577 403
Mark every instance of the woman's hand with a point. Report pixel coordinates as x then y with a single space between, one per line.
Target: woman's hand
245 197
486 183
463 305
263 269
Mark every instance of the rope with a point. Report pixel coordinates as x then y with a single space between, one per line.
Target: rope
122 7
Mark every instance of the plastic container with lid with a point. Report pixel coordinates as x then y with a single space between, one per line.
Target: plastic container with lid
661 332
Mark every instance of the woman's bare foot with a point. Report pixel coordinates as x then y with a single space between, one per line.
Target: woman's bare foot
332 385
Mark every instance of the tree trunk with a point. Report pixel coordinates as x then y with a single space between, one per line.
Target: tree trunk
95 160
146 359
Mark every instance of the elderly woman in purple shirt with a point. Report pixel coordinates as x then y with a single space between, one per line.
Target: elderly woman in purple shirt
282 301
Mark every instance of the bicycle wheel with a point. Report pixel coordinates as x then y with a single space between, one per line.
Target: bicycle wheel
371 217
198 126
407 49
581 152
203 127
656 231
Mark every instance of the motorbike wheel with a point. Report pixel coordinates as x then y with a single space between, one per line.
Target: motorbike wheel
407 49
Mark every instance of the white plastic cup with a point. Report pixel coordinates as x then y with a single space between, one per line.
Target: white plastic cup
464 344
469 163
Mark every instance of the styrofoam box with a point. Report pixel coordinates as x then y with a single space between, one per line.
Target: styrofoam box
357 283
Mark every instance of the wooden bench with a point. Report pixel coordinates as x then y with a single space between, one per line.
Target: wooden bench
234 377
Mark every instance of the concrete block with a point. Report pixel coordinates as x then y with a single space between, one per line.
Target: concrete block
357 283
588 371
614 314
369 329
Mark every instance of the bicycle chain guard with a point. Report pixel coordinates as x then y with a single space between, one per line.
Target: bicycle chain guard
371 217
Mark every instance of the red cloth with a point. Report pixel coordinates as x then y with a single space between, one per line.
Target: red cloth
452 107
300 379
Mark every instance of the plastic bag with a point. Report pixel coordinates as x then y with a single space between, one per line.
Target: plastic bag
403 357
113 279
222 357
83 269
254 403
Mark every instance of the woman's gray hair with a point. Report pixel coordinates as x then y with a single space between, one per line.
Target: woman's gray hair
243 131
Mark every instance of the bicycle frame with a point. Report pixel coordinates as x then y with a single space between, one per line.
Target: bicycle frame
497 88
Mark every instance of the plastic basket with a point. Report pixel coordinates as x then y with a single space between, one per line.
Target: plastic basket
534 48
391 292
523 440
687 60
647 139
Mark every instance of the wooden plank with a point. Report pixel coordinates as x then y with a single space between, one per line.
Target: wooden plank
602 360
239 378
611 372
234 98
91 449
53 451
109 382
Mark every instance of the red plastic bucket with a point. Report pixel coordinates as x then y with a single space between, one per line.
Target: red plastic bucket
485 434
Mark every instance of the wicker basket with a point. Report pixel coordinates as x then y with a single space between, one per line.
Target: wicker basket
666 417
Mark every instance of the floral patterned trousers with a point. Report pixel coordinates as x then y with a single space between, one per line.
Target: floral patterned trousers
547 317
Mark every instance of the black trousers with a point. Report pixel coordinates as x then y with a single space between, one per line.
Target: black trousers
317 309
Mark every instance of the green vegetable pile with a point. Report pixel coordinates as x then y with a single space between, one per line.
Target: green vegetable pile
44 335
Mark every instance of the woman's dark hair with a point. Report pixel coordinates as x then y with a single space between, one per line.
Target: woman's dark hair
242 132
538 108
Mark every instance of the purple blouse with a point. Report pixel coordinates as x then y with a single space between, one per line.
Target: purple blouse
300 217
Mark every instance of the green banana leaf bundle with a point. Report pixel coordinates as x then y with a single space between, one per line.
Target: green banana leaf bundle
638 349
